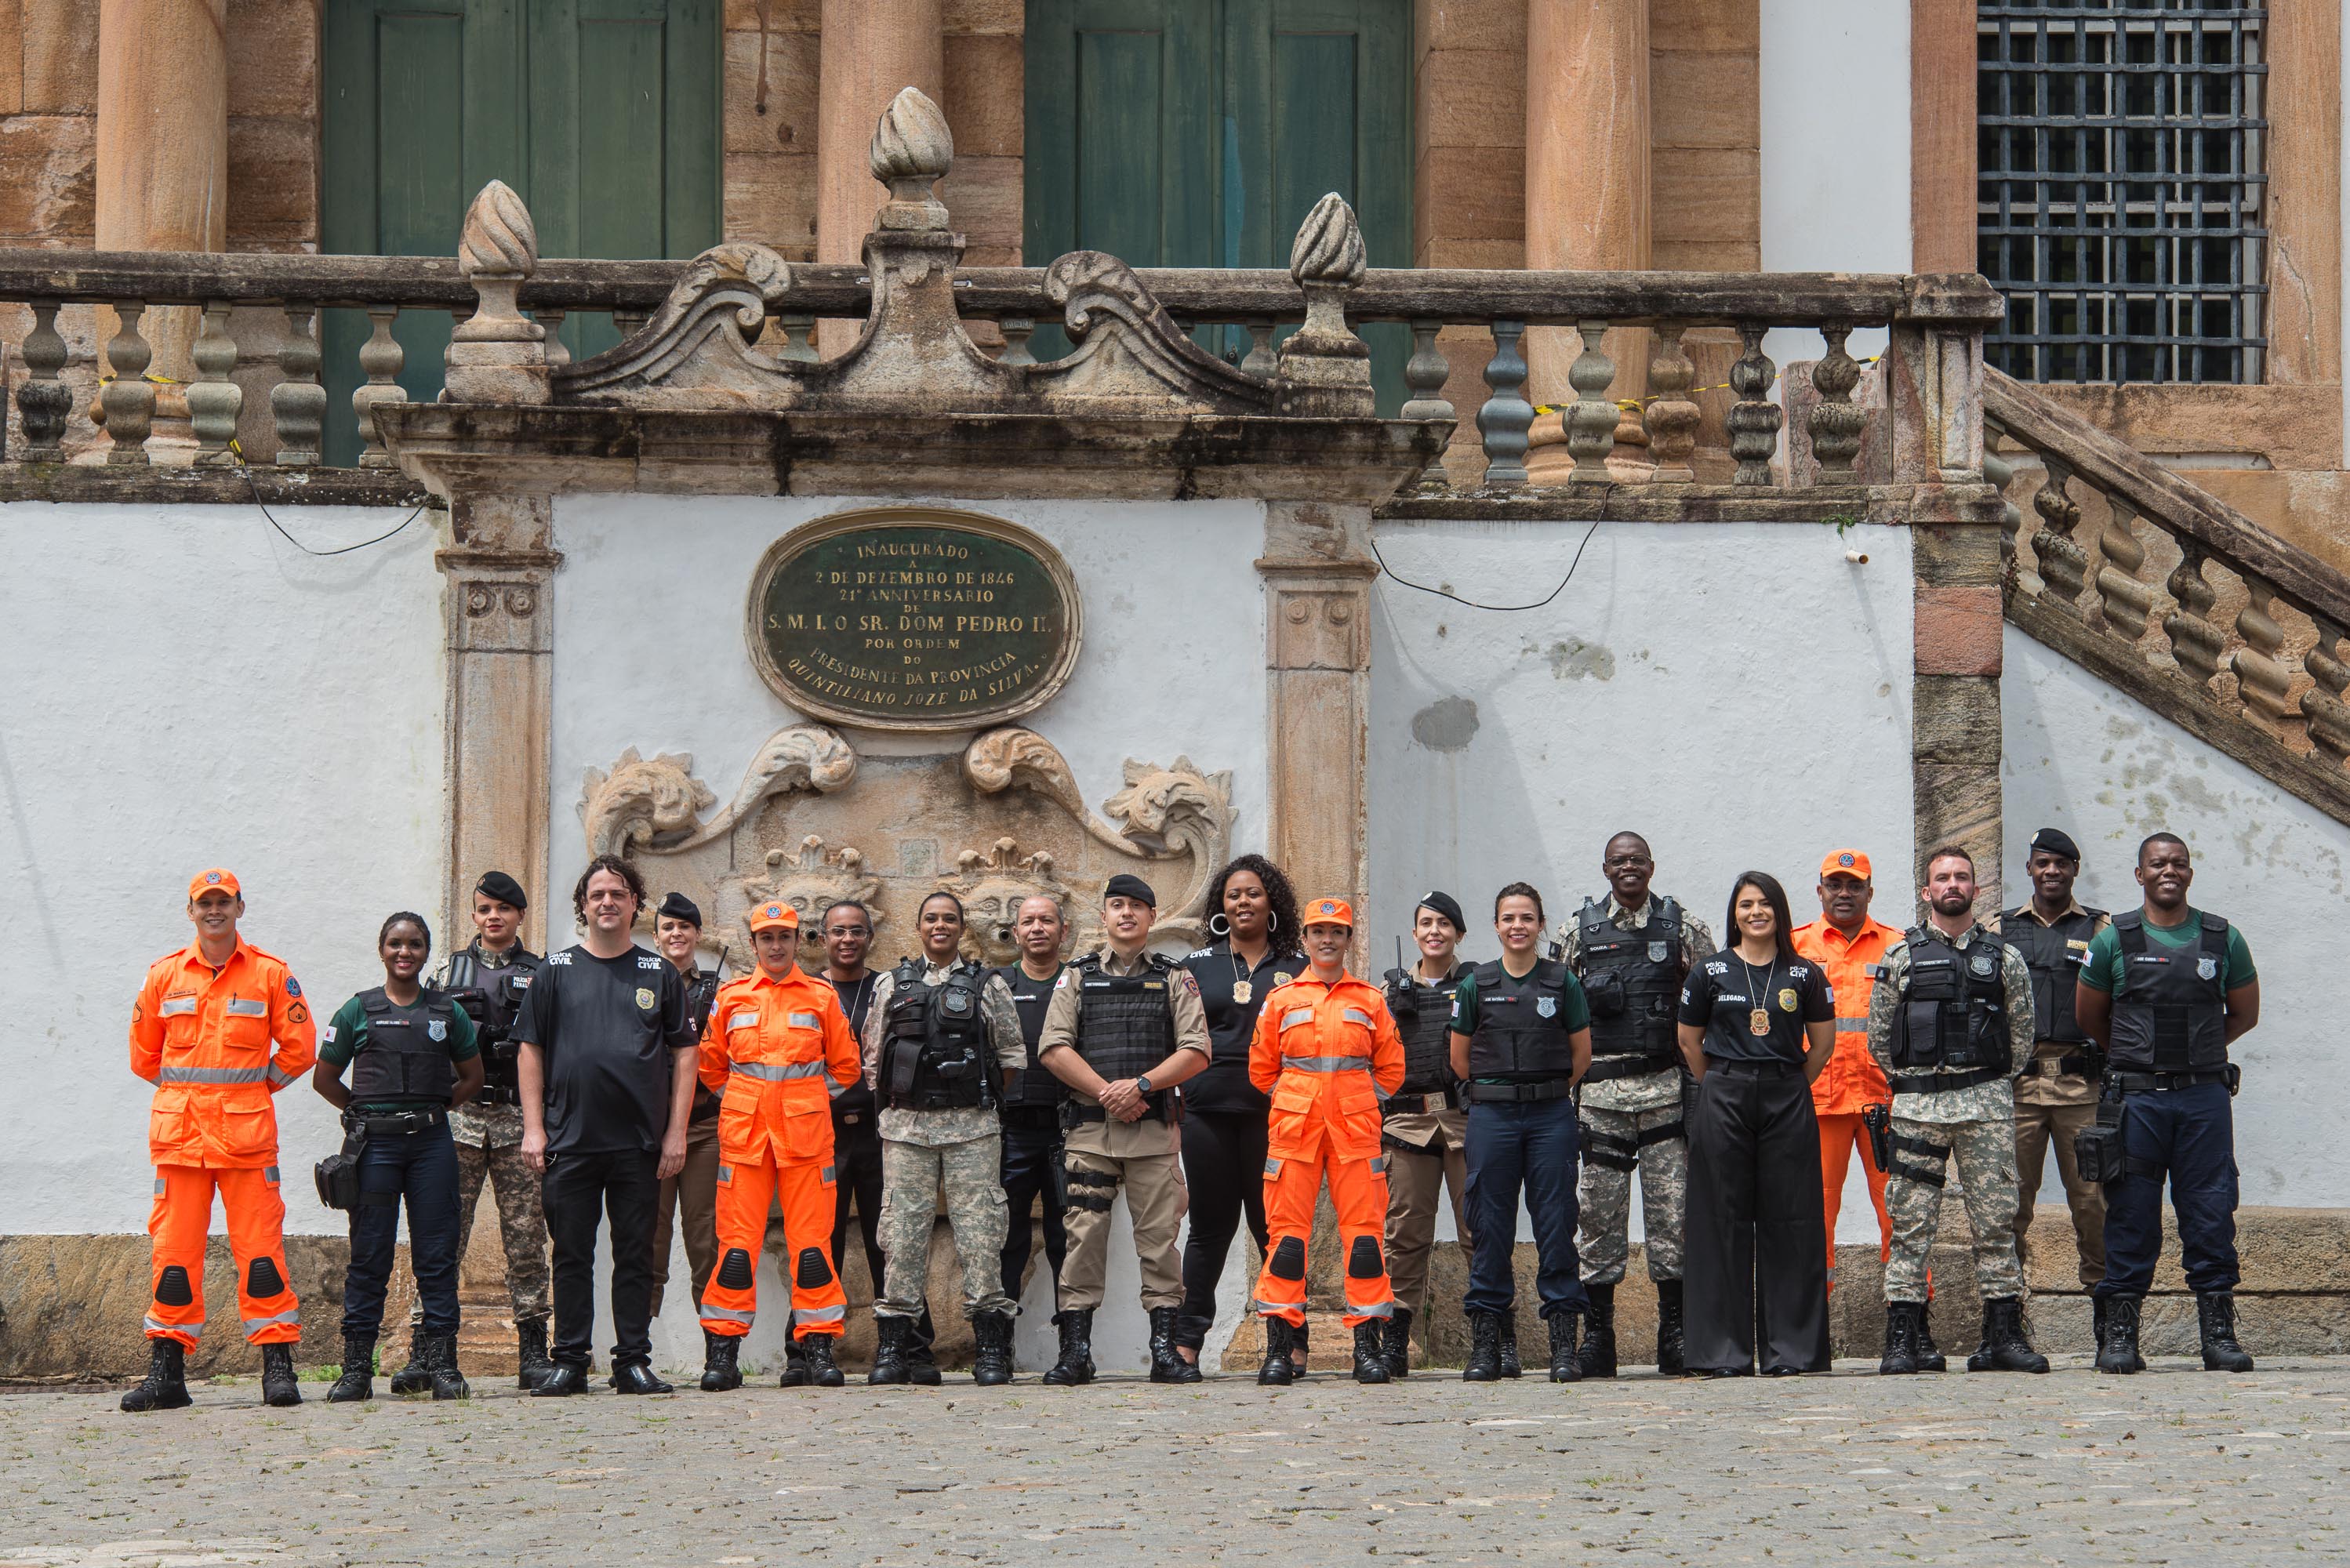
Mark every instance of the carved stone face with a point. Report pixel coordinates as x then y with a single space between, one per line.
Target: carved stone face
990 907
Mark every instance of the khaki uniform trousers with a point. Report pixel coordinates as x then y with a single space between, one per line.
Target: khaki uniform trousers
1146 1158
1428 1153
2037 1127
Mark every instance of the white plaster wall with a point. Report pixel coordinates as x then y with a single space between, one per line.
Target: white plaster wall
1738 693
187 688
1173 663
2082 756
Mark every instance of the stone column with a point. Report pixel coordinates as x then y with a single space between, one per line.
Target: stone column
1587 200
1941 135
868 50
162 168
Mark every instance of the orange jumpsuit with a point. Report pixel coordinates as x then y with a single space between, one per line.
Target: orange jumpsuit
1853 1078
770 1046
1327 1055
202 1038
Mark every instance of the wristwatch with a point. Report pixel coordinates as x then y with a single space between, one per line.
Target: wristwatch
1142 1084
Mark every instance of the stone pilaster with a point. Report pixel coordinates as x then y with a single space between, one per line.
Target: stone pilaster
1954 738
868 52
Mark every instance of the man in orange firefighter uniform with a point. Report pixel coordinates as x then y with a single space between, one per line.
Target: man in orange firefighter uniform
1327 1052
779 1048
200 1033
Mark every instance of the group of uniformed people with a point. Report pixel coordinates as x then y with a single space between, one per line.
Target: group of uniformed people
606 1082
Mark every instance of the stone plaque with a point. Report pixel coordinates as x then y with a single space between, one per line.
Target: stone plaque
914 619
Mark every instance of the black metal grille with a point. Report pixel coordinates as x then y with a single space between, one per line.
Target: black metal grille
2121 169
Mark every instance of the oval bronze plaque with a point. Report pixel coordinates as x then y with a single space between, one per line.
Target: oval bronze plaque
913 617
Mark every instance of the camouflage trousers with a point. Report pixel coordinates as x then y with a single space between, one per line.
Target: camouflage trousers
522 1225
1616 1142
970 1176
1985 1154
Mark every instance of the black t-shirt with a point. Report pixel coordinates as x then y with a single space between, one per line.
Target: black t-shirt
1224 1085
605 1027
1719 996
856 1001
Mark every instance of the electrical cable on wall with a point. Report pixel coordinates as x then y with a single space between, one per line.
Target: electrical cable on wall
1472 604
305 549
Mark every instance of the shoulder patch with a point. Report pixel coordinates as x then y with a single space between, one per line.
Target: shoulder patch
330 1039
297 1014
1188 981
292 986
1063 983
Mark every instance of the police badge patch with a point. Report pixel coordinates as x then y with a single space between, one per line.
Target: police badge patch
1656 952
1547 1006
2206 968
645 997
1787 1000
436 1030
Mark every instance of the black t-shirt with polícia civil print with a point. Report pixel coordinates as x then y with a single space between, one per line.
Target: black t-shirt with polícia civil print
1232 993
606 1028
1722 992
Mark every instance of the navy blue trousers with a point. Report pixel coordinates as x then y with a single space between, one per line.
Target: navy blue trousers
1523 1147
1031 1165
421 1168
2190 1135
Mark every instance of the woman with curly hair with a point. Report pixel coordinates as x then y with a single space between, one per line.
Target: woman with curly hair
1252 921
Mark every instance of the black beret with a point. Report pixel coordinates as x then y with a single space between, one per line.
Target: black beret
504 889
1446 905
677 906
1127 884
2056 841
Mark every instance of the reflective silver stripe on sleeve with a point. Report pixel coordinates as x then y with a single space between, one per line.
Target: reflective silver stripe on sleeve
247 1007
158 1187
819 1315
833 1088
1328 1063
254 1326
268 1173
1852 1026
741 1020
276 1078
806 1020
212 1075
724 1316
1295 1016
192 1330
1271 1168
726 1175
1379 1165
1357 1015
824 1175
176 1007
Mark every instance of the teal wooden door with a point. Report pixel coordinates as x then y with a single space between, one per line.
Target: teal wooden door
602 114
1201 132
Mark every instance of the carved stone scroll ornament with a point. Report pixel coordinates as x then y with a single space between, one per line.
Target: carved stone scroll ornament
657 804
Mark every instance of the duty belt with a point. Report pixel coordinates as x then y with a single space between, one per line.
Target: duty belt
1169 1110
1428 1105
2074 1066
1944 1083
397 1125
1518 1093
493 1095
2118 1082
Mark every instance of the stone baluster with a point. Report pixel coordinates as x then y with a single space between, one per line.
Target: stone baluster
1425 373
2063 564
1017 330
1591 422
2125 600
382 357
2198 645
1837 421
551 317
1998 474
2323 704
215 400
128 398
297 403
2264 680
629 322
1671 418
1507 415
799 339
1754 419
1260 360
44 399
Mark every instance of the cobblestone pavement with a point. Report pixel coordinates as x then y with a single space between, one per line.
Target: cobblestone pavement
2173 1467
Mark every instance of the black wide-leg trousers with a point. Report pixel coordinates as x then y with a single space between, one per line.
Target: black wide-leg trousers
1755 1231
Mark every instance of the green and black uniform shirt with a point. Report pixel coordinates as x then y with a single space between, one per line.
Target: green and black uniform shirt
2102 969
1575 1009
346 1036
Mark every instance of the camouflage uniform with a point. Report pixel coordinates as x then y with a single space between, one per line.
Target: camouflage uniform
959 1150
1975 1125
1627 1122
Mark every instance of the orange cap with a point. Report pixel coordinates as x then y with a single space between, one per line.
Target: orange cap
773 913
217 879
1844 863
1329 912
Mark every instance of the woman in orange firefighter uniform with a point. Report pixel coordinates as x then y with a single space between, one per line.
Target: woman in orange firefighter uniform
201 1034
774 1040
1326 1051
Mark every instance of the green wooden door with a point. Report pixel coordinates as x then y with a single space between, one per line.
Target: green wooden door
1201 132
602 114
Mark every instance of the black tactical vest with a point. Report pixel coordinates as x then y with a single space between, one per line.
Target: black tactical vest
2055 964
1632 981
1953 1009
1423 1016
935 1054
493 998
1522 1033
1125 1023
698 997
1031 998
405 1054
2171 1014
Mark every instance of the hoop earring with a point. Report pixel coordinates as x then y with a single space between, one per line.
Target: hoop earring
1271 923
1219 926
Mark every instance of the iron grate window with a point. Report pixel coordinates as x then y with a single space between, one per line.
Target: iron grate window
2121 179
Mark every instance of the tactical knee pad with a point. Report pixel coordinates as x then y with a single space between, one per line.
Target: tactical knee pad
1363 1259
815 1269
734 1274
173 1290
262 1279
1289 1258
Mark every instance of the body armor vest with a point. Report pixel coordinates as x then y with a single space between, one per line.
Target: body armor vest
493 998
935 1054
1032 999
406 1053
1953 1008
2171 1014
1522 1033
1632 980
698 997
2056 966
1423 1016
1125 1023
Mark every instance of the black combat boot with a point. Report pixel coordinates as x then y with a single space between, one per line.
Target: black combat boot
448 1383
1484 1348
2215 1316
568 1378
1596 1357
2117 1352
1510 1366
638 1377
991 1363
1930 1354
165 1386
416 1377
890 1350
1901 1319
1370 1365
533 1369
2005 1346
1077 1363
2097 1320
1165 1366
795 1366
1300 1352
1278 1371
822 1370
722 1363
278 1386
1669 1328
358 1381
1565 1364
1395 1344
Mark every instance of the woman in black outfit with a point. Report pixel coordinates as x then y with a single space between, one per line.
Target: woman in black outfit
1755 1233
1252 916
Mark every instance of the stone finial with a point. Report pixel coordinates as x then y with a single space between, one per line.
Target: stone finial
1327 367
498 354
499 239
1329 248
911 149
